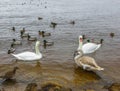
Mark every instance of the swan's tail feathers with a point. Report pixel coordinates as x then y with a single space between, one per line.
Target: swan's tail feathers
100 69
16 56
98 46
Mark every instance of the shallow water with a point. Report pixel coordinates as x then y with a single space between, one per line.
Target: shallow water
94 18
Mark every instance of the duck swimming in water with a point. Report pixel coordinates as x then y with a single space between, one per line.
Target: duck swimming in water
11 50
72 22
13 28
47 43
23 34
31 38
112 34
16 42
43 33
40 18
53 24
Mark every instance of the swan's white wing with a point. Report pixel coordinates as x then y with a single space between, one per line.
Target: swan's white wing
27 56
90 47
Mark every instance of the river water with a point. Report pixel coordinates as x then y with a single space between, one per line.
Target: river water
94 18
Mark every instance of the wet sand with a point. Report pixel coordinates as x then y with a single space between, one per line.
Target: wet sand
57 64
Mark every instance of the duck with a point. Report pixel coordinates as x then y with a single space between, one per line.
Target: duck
23 30
87 47
43 33
84 37
9 74
100 42
31 38
23 34
11 50
13 28
112 34
47 43
15 42
30 56
53 24
86 62
40 32
40 18
72 22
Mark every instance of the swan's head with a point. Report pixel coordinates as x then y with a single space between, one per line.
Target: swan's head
80 38
37 43
78 52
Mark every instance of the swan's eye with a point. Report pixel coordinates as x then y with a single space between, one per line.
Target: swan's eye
77 53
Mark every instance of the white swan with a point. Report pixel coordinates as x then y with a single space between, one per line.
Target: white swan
86 62
87 47
30 56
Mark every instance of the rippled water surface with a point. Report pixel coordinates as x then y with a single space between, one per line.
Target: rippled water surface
94 18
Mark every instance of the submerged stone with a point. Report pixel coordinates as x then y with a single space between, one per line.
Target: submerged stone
113 87
54 87
31 87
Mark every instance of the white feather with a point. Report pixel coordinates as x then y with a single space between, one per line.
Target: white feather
90 47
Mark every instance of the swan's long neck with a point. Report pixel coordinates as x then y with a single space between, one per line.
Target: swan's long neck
80 44
37 50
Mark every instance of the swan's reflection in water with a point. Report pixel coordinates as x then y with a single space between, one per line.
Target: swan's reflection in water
82 76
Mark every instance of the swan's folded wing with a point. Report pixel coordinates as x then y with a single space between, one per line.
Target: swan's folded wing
90 48
27 56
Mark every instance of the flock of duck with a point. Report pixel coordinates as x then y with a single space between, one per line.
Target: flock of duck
23 34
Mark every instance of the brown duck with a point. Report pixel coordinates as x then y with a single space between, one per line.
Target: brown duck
112 35
9 74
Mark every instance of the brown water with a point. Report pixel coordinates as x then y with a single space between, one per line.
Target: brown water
94 18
